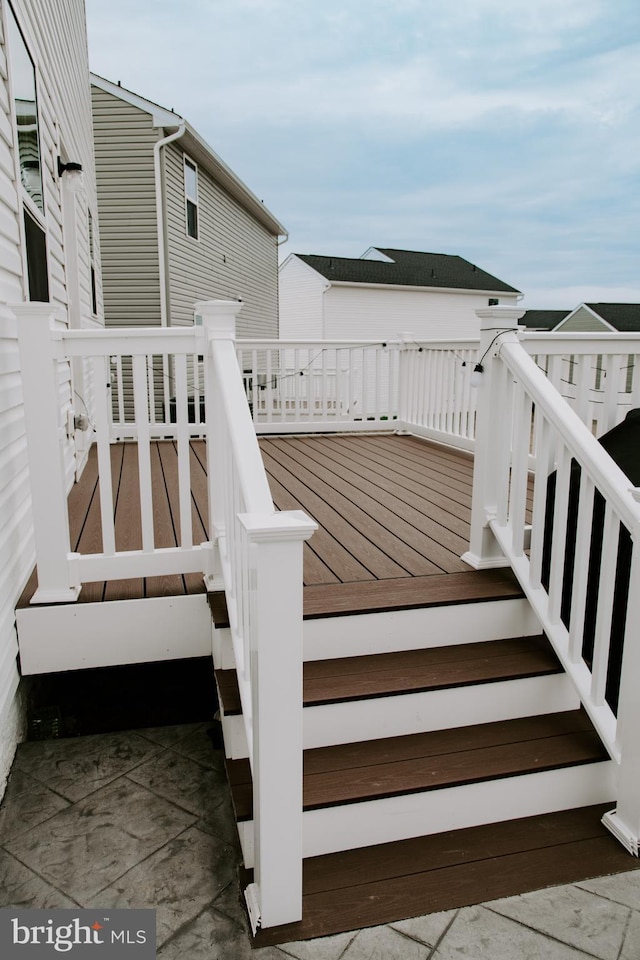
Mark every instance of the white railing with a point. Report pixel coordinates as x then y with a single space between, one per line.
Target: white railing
597 373
549 501
44 345
260 554
322 385
253 552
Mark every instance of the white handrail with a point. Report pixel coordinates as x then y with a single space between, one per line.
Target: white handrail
582 580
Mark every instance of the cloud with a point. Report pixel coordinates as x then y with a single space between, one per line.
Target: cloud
506 132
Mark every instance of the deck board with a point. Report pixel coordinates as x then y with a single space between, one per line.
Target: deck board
410 878
393 515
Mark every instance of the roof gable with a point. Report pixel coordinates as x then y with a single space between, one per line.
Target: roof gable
407 268
624 317
199 150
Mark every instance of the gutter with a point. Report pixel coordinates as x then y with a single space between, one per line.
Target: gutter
162 265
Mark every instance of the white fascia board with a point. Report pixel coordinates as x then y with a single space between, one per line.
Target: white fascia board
596 316
161 116
200 150
224 175
402 286
307 266
373 253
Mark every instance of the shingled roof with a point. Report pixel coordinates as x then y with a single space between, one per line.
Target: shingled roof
543 319
624 317
408 268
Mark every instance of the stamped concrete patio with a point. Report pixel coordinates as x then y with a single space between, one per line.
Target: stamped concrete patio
142 818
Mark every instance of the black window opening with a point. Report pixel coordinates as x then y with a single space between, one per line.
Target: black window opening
36 247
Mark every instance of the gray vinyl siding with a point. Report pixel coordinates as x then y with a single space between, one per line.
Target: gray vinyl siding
583 321
233 257
124 139
54 32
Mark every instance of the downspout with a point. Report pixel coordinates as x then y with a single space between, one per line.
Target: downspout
162 265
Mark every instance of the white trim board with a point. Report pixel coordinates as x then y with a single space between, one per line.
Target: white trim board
81 635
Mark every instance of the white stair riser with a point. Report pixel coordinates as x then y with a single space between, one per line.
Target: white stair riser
373 822
368 633
371 719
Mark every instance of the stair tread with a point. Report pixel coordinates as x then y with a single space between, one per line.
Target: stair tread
377 769
399 593
407 878
411 671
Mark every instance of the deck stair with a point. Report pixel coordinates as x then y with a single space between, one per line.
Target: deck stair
403 746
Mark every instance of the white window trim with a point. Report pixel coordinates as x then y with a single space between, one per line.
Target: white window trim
186 159
24 200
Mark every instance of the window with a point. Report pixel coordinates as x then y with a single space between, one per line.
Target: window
23 86
92 266
191 197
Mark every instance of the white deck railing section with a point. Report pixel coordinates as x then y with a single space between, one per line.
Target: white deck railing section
549 501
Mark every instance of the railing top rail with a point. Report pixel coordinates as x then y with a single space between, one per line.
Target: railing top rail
579 440
131 340
576 343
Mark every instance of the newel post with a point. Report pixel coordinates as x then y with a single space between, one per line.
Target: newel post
218 319
406 342
624 820
276 686
39 360
496 321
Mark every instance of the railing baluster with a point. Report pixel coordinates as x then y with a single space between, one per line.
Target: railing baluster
584 524
101 419
184 472
606 584
141 408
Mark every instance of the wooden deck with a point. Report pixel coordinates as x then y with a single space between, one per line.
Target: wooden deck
393 515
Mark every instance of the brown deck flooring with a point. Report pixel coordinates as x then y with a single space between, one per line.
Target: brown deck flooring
410 878
393 515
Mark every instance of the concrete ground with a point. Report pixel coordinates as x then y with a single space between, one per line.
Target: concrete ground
142 819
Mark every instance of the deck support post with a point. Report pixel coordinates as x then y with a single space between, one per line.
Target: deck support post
276 695
484 551
624 820
218 319
39 361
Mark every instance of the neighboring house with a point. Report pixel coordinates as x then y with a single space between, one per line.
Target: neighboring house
383 293
49 253
602 318
177 225
542 320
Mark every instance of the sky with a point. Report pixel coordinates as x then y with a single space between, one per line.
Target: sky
504 131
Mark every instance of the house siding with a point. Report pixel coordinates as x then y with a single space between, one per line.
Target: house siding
234 257
583 321
54 31
368 313
124 140
301 301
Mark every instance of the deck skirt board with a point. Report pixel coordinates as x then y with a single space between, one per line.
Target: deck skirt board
396 881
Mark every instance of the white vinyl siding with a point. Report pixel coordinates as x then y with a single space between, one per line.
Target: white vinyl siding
301 300
54 31
124 140
368 313
235 257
